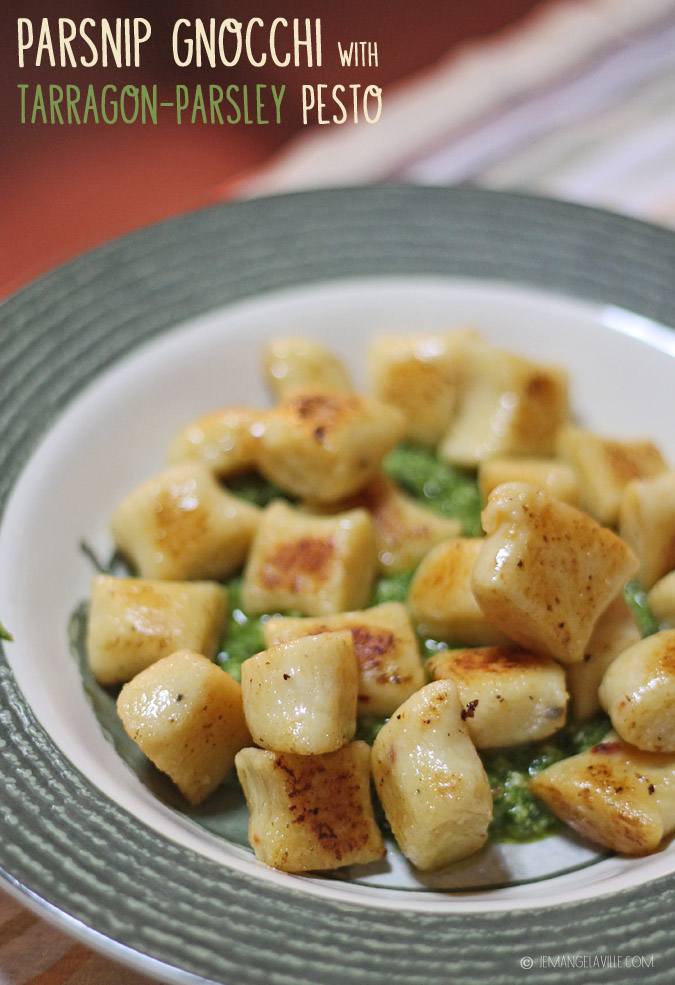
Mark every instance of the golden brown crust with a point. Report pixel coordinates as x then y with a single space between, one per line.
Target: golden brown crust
294 566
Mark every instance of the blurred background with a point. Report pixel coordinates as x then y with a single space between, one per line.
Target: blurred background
570 98
66 188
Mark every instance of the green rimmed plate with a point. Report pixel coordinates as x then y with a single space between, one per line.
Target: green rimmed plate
128 342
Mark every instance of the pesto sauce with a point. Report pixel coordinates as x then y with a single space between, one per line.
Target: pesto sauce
243 634
518 816
442 487
636 597
5 634
392 588
256 490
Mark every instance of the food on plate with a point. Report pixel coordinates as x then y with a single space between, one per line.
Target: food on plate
313 565
323 446
421 374
638 693
441 600
310 812
546 572
509 695
133 622
604 467
388 661
404 530
647 523
430 779
507 406
369 597
300 696
556 478
613 794
188 718
182 524
661 600
293 363
616 630
225 441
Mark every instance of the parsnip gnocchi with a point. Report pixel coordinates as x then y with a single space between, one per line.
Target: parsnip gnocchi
310 812
300 696
441 599
488 642
613 794
509 695
315 565
134 622
188 718
546 571
638 693
614 632
388 662
430 779
183 525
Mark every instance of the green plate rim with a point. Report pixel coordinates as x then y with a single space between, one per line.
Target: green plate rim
81 860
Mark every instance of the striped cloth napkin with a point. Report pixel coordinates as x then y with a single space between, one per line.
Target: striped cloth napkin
576 102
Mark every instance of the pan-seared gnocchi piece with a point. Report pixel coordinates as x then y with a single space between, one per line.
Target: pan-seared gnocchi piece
546 571
420 374
638 693
661 601
183 525
310 812
557 478
300 697
507 406
187 716
613 794
614 632
292 363
133 622
509 695
325 445
647 523
225 441
430 780
604 466
309 564
387 653
441 601
404 530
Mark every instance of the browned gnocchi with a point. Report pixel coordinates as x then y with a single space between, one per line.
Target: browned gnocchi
528 619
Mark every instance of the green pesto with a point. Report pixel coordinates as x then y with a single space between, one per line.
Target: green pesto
5 634
636 597
243 634
254 489
392 588
368 728
442 487
517 814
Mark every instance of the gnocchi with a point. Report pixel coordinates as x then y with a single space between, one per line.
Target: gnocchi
493 641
